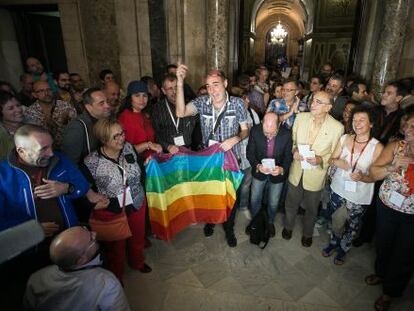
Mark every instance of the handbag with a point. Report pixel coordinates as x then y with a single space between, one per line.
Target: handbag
113 229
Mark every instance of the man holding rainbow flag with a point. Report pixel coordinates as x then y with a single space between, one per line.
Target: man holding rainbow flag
223 121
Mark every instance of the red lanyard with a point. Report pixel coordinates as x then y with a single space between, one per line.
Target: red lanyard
360 154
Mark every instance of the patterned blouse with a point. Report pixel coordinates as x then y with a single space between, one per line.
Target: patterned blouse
397 181
109 176
61 114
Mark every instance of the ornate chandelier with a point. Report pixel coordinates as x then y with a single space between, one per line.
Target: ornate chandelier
278 34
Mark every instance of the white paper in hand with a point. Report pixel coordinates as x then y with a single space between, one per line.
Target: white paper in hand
304 151
268 163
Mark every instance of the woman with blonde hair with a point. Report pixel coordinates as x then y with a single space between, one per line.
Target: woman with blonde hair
115 173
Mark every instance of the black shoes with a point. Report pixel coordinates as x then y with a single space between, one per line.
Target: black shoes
306 242
231 239
208 230
286 234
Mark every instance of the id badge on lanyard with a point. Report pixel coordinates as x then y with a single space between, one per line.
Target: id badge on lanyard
219 118
125 197
178 139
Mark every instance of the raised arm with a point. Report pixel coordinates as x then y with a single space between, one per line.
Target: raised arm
181 109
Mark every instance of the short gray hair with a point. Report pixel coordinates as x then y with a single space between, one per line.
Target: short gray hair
24 132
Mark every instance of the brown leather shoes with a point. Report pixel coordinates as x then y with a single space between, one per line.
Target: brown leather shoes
306 242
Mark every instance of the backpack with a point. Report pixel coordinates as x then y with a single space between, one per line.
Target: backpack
258 229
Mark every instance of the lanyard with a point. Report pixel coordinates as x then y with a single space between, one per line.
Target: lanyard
124 175
124 184
360 154
214 115
176 124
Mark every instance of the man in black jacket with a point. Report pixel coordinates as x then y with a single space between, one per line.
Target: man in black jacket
270 154
171 132
79 139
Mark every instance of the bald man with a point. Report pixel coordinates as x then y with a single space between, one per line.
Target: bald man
269 152
315 135
49 113
76 281
113 95
36 69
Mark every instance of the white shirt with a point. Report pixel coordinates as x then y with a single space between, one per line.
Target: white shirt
364 191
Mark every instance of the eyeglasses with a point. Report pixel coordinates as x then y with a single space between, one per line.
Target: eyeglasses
92 241
317 101
118 135
43 91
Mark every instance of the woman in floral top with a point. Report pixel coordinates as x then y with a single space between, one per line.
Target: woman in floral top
395 217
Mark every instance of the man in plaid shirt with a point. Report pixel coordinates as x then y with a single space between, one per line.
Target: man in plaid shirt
216 107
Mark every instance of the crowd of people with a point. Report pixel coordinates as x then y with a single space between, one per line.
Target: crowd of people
74 155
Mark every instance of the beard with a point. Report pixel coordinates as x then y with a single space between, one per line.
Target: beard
65 87
42 161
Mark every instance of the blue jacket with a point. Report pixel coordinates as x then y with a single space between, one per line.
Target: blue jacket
16 194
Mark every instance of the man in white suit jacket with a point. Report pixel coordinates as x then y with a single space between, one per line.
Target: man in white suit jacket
315 136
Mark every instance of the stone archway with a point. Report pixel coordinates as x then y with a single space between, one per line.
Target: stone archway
295 15
306 5
263 15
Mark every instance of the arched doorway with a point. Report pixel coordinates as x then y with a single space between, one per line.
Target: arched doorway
274 50
292 15
295 15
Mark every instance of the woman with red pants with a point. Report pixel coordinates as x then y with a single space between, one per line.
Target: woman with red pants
115 172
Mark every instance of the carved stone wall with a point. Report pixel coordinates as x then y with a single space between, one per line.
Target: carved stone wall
329 49
332 34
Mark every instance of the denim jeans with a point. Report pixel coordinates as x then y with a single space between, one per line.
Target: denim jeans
257 191
244 193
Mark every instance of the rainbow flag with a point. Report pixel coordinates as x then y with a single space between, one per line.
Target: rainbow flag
190 187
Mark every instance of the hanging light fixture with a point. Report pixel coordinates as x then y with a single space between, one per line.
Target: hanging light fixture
278 34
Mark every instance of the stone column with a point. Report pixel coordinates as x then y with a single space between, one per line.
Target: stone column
217 34
99 35
390 43
133 33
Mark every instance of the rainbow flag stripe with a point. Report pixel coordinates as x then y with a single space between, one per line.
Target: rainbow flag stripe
190 187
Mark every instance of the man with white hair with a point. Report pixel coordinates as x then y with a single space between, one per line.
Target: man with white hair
37 183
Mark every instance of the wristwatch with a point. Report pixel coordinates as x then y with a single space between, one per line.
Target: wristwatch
71 188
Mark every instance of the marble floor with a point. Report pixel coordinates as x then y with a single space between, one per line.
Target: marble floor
198 273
